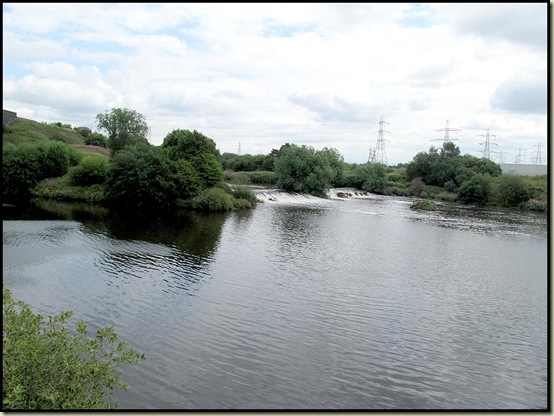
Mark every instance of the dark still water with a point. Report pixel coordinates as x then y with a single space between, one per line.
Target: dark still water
303 304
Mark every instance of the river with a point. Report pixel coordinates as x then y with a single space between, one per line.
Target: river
302 303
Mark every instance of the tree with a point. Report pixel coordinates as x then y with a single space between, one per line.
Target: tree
449 150
511 190
125 127
186 144
141 177
377 179
199 150
302 169
476 190
46 367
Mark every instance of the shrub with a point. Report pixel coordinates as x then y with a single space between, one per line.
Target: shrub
47 367
535 205
96 139
141 177
83 131
417 186
213 199
476 190
241 204
511 191
423 204
92 170
20 171
53 158
243 192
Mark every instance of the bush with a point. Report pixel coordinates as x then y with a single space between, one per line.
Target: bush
54 159
535 205
96 139
423 204
511 191
141 177
213 199
47 367
243 192
20 171
476 190
92 170
416 186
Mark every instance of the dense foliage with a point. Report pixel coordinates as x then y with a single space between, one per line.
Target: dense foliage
91 170
125 127
143 178
248 163
47 367
199 150
511 191
24 165
447 168
303 169
38 163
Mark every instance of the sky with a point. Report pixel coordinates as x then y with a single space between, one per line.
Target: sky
254 76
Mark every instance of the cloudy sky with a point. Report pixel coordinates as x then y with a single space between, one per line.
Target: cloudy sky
320 74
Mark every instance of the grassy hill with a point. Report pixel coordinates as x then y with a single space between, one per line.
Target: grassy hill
25 130
28 131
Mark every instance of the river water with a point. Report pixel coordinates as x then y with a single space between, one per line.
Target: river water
302 303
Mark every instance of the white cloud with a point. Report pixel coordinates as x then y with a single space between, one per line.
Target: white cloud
266 74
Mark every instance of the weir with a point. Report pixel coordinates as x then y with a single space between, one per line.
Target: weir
281 196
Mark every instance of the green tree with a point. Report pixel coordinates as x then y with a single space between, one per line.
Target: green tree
511 190
92 170
449 150
125 127
186 144
377 179
199 150
476 190
302 169
46 367
20 171
141 178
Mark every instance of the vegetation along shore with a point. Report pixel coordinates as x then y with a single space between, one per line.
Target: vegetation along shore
118 168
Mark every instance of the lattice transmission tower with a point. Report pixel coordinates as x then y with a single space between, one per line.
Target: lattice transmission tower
372 158
447 131
378 154
487 143
518 158
537 160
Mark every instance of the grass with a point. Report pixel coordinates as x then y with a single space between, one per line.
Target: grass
24 130
61 189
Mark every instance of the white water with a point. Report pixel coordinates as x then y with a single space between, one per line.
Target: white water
280 196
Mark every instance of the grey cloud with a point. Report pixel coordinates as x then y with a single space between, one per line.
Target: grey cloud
521 97
334 108
524 23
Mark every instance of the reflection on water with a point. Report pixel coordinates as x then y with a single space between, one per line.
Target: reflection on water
357 304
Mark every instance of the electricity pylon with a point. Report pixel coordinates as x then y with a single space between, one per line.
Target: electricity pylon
487 150
537 160
238 153
372 155
501 154
517 159
447 131
380 152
